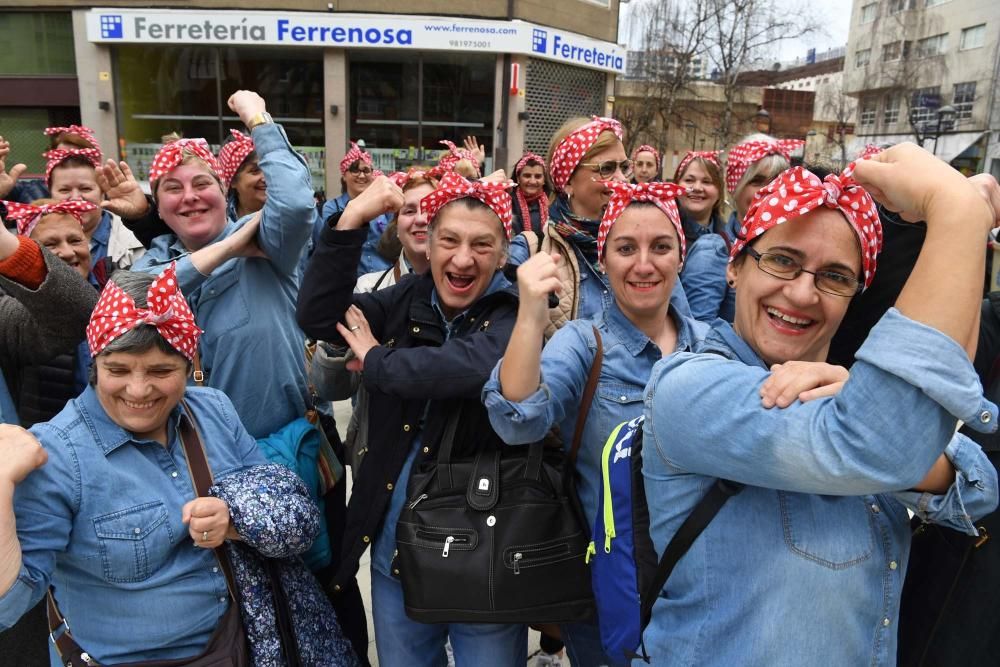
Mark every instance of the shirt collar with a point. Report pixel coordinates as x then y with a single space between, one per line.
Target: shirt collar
102 233
635 341
723 339
108 435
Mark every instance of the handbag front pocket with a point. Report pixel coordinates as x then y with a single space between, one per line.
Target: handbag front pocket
519 558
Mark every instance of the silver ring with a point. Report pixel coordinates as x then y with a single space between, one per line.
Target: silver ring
355 327
204 536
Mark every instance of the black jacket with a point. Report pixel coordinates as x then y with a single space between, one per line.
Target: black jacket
413 369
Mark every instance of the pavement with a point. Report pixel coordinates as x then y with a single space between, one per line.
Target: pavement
342 413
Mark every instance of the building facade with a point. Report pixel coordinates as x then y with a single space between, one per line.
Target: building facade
907 60
508 72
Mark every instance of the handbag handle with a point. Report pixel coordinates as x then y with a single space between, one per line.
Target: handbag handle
588 397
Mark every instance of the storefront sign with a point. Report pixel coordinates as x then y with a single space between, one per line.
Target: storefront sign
207 27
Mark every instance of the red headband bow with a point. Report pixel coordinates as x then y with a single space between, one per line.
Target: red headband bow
708 156
232 155
570 151
353 156
170 155
116 314
81 131
623 194
798 191
28 216
454 154
650 149
525 159
55 157
453 186
402 178
743 155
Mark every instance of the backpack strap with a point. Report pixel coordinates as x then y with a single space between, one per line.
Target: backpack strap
693 526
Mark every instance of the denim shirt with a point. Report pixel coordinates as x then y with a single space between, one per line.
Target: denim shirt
370 259
252 348
101 523
8 415
384 549
99 239
629 356
817 543
704 278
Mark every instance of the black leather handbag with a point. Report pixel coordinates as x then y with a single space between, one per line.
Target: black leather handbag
498 538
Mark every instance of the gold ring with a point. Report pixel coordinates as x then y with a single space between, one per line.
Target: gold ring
204 536
355 327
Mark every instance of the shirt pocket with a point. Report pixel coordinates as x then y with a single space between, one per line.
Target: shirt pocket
223 293
833 531
134 542
615 403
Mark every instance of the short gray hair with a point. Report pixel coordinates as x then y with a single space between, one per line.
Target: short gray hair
471 204
143 337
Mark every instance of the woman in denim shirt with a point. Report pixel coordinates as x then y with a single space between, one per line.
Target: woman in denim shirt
806 564
531 389
106 512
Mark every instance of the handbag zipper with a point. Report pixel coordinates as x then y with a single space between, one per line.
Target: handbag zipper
517 562
447 546
422 496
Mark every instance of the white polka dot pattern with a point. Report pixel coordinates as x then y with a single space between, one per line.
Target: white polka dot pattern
798 191
453 186
28 216
55 157
353 156
116 314
571 150
454 154
81 131
741 156
663 195
170 155
649 149
709 156
232 155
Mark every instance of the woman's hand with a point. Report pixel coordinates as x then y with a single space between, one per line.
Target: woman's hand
246 104
125 197
208 522
8 179
536 279
801 380
20 454
382 196
472 145
358 335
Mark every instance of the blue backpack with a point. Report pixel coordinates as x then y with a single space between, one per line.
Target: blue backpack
626 576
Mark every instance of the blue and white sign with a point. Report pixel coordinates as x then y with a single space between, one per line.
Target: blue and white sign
428 33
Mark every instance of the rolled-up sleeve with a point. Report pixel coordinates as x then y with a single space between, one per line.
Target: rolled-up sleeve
971 496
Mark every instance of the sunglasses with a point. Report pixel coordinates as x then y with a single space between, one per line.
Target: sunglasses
608 168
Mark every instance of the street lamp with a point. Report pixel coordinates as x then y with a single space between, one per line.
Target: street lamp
923 131
762 120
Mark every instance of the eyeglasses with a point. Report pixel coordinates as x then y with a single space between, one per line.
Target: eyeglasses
784 267
608 168
360 171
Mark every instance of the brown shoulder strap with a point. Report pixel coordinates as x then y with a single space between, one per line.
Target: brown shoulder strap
588 396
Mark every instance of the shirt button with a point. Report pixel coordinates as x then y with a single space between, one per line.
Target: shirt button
389 486
406 427
136 531
624 398
985 417
215 569
875 508
366 539
222 599
893 565
886 622
173 474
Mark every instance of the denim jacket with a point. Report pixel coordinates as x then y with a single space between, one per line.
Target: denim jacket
629 357
806 565
371 260
252 349
101 523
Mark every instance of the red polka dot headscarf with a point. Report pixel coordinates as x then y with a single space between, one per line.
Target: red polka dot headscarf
57 156
81 131
172 154
166 309
454 155
707 156
540 196
353 156
797 191
663 195
567 155
742 156
403 178
28 215
232 155
453 186
648 149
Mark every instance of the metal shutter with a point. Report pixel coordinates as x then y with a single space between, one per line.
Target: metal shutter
556 92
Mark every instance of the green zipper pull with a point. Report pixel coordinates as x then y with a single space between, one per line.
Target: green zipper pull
591 551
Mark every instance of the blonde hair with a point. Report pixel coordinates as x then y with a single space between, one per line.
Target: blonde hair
605 140
714 173
69 138
769 166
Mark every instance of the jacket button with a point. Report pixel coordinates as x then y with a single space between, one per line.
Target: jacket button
886 622
415 329
336 587
985 417
395 571
366 539
389 486
893 565
427 450
406 427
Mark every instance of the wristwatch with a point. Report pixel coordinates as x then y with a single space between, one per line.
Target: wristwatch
260 119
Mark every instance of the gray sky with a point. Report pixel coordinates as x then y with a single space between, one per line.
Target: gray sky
833 15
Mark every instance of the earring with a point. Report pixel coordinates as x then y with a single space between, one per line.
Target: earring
732 283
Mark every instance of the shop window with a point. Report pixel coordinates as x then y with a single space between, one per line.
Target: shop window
403 107
37 44
965 97
184 89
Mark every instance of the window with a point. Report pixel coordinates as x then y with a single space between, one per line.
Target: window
965 96
869 12
867 114
934 3
37 43
892 51
861 57
932 46
973 38
924 104
896 6
891 114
